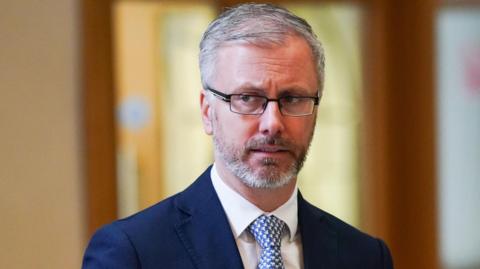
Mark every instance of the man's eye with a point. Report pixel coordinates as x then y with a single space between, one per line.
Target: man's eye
290 99
246 98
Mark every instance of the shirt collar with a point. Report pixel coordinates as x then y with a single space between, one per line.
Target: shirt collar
241 212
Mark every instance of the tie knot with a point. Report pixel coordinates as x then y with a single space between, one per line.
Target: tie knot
267 231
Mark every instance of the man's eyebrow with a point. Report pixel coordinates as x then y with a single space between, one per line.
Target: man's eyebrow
298 91
293 90
248 88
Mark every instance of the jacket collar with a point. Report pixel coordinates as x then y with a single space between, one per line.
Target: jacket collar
203 227
319 239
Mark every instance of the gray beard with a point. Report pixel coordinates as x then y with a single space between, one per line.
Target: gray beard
269 177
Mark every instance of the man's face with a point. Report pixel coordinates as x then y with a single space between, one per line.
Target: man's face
268 150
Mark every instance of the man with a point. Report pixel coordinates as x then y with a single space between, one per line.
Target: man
262 74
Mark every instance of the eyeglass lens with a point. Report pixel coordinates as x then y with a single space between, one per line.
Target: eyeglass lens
251 104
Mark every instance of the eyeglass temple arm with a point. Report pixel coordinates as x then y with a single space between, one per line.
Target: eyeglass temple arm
223 96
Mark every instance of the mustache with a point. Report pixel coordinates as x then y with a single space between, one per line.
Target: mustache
269 140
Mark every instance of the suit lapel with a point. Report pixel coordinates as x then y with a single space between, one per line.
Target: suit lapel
203 227
318 239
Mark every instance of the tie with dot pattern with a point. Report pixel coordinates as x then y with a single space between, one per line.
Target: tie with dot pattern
267 231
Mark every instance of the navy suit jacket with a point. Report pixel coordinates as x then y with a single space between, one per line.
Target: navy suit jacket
190 230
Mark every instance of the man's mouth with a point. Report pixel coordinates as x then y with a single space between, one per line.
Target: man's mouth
269 148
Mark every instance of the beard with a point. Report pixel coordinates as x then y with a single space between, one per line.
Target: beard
269 173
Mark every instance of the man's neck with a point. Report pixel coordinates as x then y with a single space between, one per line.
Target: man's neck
264 198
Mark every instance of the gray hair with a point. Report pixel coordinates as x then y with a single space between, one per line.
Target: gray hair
259 24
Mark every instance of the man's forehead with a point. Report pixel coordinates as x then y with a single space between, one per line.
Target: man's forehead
289 46
292 60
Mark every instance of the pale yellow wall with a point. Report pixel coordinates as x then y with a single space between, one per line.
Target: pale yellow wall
41 196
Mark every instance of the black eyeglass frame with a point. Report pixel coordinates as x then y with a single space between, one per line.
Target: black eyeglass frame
227 98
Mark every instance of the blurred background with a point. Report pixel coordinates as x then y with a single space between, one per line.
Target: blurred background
99 118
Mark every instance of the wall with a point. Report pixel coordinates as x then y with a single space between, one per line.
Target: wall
41 204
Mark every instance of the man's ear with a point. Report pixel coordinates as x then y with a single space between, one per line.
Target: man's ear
206 113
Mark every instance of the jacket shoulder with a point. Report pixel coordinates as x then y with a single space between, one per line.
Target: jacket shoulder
354 247
147 238
126 243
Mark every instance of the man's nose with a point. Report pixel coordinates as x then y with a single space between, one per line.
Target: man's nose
271 121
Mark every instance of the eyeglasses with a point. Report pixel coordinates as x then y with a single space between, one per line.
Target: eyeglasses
250 104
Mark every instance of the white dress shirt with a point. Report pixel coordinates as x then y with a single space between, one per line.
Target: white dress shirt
240 213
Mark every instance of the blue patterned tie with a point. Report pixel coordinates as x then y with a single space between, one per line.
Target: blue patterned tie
267 231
